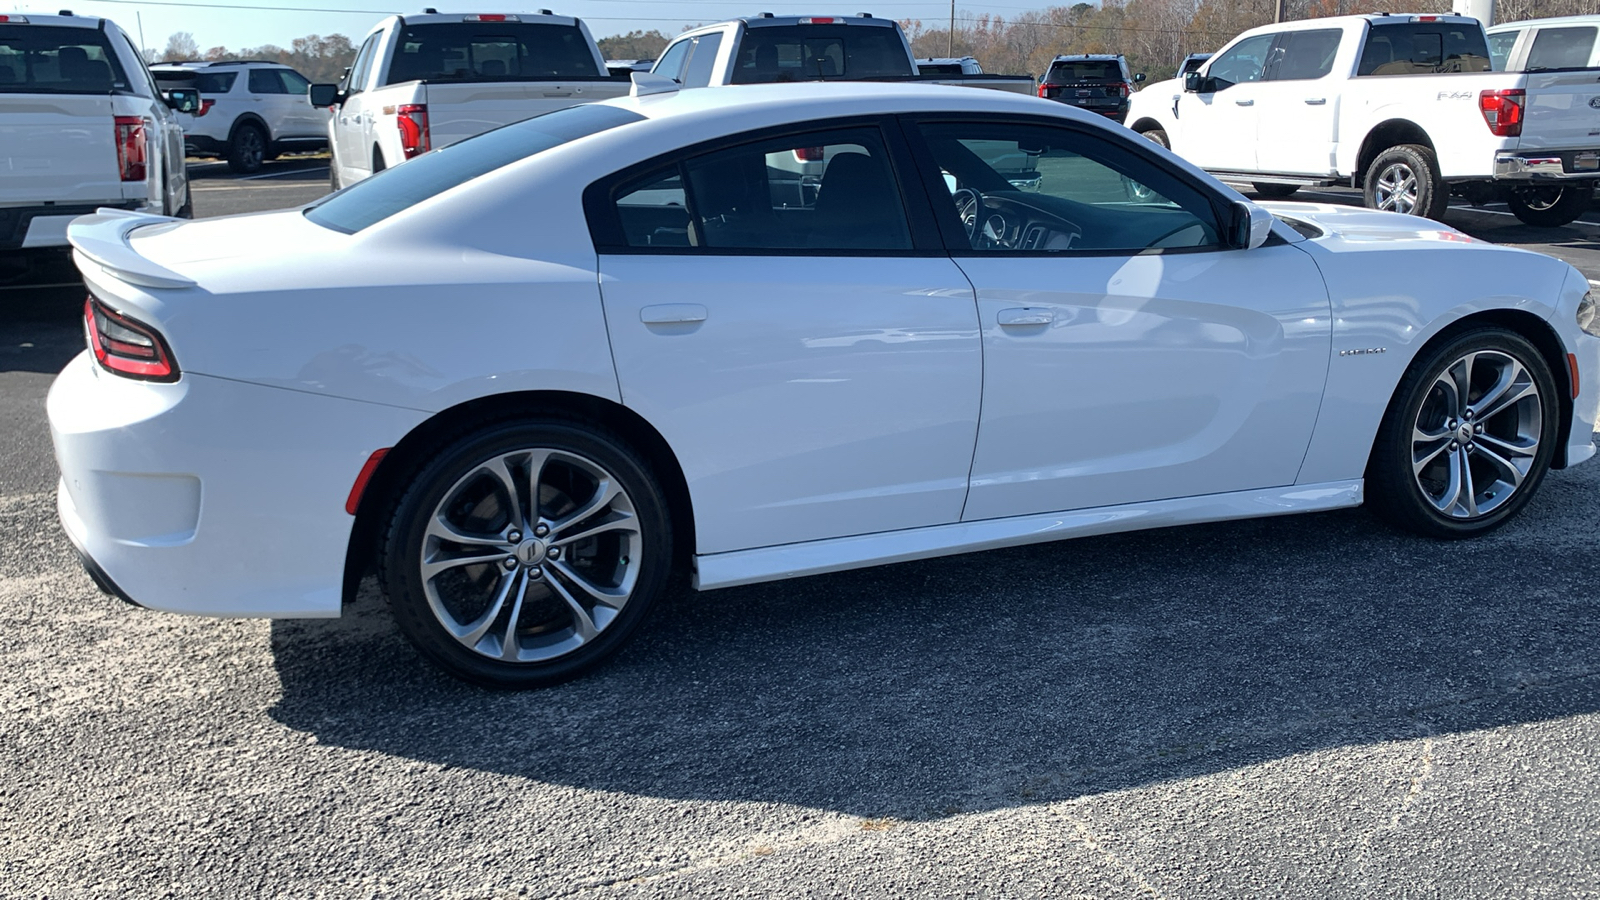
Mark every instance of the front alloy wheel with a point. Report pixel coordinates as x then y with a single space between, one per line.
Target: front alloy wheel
528 554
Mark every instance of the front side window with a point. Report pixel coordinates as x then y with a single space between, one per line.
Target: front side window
357 76
1424 48
777 53
671 62
49 59
294 82
1303 55
491 51
1561 48
1043 189
701 62
1243 62
824 192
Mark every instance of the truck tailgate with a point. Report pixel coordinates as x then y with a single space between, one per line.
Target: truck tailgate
60 148
459 111
1563 110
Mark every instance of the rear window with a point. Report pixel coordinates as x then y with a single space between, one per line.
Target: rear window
48 59
776 53
214 82
1561 48
492 51
1424 48
1066 71
939 68
402 187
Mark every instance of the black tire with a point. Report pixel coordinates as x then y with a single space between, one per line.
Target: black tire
377 161
1392 489
1430 197
186 211
1550 206
456 474
1275 191
247 149
333 175
1158 136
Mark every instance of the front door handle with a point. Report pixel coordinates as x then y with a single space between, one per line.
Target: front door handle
1021 316
1316 101
672 314
1245 102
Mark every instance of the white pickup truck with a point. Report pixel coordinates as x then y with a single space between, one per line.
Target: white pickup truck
1404 106
82 126
766 48
427 81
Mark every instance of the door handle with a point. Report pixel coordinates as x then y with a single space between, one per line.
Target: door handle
1316 101
1245 102
672 314
1025 315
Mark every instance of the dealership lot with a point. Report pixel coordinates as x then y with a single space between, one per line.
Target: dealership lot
1296 707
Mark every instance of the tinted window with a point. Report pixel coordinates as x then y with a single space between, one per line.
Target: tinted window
492 51
1500 48
265 81
1561 48
1193 63
1304 54
214 82
671 62
363 65
812 52
705 54
294 82
939 68
1424 48
392 190
823 192
1027 188
1244 61
45 59
1075 71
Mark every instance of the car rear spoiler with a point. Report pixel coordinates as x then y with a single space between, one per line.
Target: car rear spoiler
102 238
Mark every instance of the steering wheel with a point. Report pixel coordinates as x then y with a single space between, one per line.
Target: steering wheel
969 206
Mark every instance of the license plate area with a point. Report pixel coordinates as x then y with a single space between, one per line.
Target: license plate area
1586 162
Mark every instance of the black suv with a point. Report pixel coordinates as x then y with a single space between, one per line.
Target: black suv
1098 83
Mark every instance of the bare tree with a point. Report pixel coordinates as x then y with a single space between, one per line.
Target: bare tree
180 46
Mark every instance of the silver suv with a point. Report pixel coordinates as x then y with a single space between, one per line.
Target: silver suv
251 111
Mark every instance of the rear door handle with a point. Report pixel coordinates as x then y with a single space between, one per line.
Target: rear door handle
1245 102
672 314
1316 101
1025 315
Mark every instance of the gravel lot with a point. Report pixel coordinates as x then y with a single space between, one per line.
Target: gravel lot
1315 706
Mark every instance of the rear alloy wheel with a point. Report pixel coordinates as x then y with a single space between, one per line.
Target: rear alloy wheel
1275 191
1550 206
247 149
1468 438
1405 179
526 554
1158 136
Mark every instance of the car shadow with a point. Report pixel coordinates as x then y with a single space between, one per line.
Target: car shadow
1017 676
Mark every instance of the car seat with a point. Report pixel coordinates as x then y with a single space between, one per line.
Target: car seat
858 207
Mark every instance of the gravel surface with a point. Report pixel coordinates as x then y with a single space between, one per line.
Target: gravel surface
1316 706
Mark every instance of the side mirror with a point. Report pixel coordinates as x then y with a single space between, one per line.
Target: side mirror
1250 227
1139 78
324 95
184 100
1194 82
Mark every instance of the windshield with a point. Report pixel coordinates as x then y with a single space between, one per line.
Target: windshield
46 59
402 187
492 51
812 52
1074 71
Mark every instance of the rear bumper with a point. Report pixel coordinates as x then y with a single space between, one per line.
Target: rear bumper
1115 113
46 225
1564 165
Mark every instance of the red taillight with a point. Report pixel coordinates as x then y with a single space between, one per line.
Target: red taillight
490 17
16 20
1044 90
1502 111
808 154
131 147
205 107
818 20
353 502
125 346
1122 90
413 121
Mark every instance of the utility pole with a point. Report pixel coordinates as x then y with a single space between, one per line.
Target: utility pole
1283 11
950 45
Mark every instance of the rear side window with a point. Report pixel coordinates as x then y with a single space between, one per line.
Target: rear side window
492 51
1500 48
47 59
776 53
214 82
1303 55
1424 48
1064 71
392 190
265 81
1561 48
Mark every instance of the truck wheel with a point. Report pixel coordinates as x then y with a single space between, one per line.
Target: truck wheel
1550 206
1158 136
1405 179
186 211
333 175
246 149
1275 191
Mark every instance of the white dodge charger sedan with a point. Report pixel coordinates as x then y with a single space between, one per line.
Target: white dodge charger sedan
525 377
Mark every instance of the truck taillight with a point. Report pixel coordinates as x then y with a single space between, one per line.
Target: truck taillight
817 20
131 136
126 346
1502 111
808 154
412 118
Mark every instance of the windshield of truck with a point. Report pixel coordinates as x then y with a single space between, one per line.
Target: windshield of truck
1424 48
812 52
374 199
1078 71
492 51
46 59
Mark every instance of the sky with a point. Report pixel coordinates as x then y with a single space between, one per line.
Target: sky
223 23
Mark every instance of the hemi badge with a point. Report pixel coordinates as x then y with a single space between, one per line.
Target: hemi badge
1365 352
